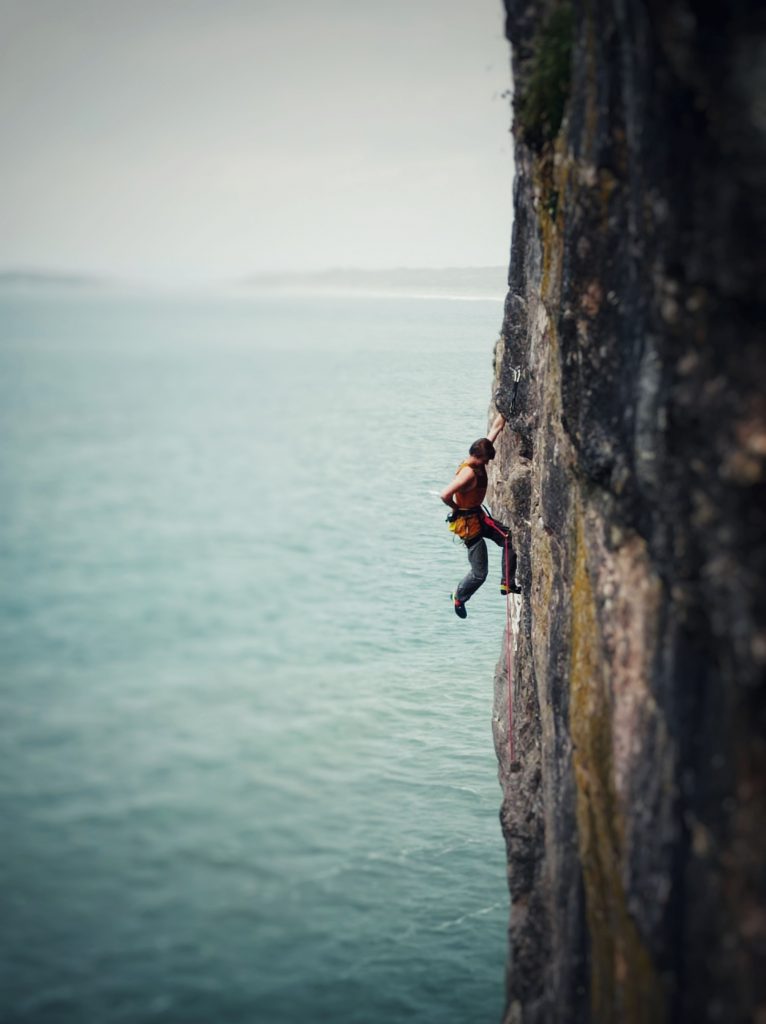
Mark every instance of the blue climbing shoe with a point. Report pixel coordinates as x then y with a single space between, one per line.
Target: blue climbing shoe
459 607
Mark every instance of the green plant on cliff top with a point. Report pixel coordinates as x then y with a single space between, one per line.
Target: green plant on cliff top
546 77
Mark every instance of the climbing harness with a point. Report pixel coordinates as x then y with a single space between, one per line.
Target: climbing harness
465 523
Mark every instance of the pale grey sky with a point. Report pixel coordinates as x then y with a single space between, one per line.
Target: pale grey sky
185 140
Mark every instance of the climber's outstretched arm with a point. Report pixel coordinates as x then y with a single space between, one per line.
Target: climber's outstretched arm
496 427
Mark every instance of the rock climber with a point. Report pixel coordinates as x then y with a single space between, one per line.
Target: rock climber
474 525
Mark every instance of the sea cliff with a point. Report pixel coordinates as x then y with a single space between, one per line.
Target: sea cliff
633 476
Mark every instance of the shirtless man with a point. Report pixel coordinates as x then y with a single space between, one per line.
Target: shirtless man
473 525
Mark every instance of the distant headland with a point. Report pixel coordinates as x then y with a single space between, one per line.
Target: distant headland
48 279
424 282
463 283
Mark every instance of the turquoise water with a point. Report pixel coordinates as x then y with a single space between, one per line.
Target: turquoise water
248 765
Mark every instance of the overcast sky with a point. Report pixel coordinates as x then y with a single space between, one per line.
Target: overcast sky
186 140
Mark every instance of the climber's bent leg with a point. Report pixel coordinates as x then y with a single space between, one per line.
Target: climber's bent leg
477 556
493 530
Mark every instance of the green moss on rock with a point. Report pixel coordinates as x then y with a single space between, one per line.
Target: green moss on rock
546 79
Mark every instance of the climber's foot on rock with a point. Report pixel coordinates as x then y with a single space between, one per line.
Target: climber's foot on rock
510 588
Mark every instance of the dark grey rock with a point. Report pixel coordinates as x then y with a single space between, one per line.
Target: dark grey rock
634 479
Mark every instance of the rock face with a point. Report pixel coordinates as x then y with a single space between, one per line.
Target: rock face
634 479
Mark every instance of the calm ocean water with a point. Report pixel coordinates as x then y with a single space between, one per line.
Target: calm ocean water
248 772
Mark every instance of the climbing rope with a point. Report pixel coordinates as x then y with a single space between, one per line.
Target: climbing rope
515 378
509 658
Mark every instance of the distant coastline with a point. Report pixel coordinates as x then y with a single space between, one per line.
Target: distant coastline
462 284
457 283
48 279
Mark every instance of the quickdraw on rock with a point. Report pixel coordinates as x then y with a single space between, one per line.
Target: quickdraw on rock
515 378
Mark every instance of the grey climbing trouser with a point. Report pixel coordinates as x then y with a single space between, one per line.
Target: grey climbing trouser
477 556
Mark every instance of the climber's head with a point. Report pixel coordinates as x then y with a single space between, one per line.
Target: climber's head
482 449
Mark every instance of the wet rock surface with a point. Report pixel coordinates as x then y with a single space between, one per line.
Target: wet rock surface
634 478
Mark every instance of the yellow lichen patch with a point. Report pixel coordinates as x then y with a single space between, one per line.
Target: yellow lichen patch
541 558
552 175
625 986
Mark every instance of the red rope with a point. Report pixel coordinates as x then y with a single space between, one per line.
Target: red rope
489 521
509 658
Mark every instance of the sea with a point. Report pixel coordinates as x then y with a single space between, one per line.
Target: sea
248 772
